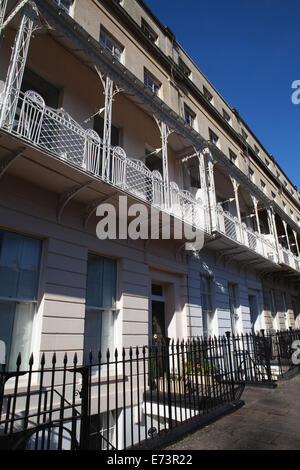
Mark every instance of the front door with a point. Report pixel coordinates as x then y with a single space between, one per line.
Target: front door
158 322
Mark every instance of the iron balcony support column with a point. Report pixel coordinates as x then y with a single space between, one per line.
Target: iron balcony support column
212 189
110 90
109 94
165 132
286 235
272 222
3 6
255 204
16 68
236 186
296 241
203 183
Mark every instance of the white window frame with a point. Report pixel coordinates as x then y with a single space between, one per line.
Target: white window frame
235 312
213 137
103 40
152 83
208 95
189 116
210 312
226 116
149 32
35 337
115 311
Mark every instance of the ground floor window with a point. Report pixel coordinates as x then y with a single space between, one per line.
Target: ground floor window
234 304
273 309
206 305
100 311
19 278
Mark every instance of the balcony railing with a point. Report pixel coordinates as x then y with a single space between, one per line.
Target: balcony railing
59 134
240 233
288 258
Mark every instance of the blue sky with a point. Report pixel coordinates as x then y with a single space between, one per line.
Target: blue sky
250 52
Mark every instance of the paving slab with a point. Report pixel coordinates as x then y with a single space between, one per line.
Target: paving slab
269 420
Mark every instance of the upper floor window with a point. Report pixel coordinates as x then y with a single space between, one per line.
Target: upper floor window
100 310
153 161
149 32
152 82
99 128
226 116
184 68
213 137
251 174
207 94
189 116
110 44
273 195
267 162
263 185
19 281
33 81
244 135
256 150
232 157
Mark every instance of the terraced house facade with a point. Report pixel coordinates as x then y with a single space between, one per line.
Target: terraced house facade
99 101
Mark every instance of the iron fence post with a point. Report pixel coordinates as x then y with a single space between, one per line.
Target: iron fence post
267 356
230 363
84 395
167 359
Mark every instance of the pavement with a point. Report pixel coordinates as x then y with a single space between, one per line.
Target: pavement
269 420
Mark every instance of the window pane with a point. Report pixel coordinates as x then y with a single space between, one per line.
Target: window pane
21 337
19 266
94 281
15 330
7 310
107 334
92 335
109 284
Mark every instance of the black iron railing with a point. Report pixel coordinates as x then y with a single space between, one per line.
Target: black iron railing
264 357
127 399
118 401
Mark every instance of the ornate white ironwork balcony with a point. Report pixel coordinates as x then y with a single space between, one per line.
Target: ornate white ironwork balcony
231 227
56 132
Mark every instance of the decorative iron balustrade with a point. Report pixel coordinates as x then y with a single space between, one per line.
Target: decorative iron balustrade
289 258
56 132
240 233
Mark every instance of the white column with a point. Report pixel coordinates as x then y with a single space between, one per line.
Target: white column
212 188
286 234
296 240
16 69
255 204
109 93
165 132
203 183
236 186
3 6
271 215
